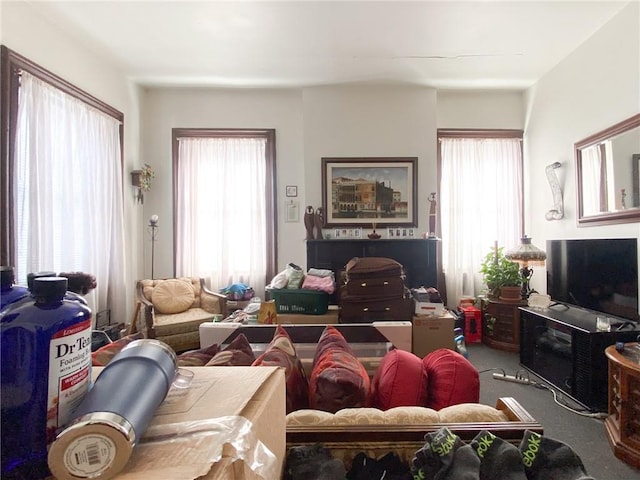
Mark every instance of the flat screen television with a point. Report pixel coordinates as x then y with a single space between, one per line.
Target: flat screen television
598 274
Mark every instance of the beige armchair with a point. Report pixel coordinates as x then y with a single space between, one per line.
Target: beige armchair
171 310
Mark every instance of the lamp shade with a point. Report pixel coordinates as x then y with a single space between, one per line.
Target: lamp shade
526 253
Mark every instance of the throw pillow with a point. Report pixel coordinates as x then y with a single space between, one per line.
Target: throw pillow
282 353
197 358
452 379
400 380
172 296
338 378
237 353
103 355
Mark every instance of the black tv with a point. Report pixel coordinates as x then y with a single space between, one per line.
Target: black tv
598 274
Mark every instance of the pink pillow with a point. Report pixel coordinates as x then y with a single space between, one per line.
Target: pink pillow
452 379
399 381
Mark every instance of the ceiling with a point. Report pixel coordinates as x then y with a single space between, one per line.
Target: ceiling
442 44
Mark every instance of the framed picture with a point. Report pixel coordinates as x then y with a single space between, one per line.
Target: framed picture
292 211
400 232
340 233
360 192
292 190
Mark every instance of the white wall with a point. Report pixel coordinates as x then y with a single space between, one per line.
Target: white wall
69 58
597 86
166 108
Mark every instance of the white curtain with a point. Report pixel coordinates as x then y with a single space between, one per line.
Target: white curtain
480 203
591 180
220 210
68 192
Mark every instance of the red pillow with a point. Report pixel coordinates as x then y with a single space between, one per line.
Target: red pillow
281 353
237 353
199 357
452 379
338 378
399 381
104 354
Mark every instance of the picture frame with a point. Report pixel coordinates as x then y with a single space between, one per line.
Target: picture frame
291 190
362 191
292 210
400 232
347 233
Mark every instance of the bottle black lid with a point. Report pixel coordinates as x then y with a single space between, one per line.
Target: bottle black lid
33 275
49 288
6 276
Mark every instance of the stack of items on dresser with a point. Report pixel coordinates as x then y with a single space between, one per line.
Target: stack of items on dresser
374 290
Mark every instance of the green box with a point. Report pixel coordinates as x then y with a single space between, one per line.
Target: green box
308 302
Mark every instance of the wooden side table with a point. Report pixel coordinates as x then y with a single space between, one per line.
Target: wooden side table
501 325
623 423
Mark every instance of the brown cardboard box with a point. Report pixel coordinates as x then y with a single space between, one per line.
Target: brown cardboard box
255 393
431 332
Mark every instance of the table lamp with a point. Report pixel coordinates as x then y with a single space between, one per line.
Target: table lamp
526 255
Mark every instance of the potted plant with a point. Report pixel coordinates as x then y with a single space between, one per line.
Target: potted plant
498 273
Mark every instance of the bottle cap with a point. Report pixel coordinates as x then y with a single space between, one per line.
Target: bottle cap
50 287
33 275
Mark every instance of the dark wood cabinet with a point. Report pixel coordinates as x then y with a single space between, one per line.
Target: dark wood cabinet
501 325
419 257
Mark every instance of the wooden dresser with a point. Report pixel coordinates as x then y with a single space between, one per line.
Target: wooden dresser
623 422
501 324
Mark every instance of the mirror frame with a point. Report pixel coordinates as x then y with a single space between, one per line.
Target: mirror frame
629 215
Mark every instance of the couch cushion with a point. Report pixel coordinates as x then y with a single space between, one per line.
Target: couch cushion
400 380
411 416
452 379
338 378
177 323
172 296
282 353
471 412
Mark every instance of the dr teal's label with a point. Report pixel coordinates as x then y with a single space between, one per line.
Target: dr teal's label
89 455
69 373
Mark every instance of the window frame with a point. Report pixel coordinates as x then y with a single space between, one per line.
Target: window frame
11 65
478 133
269 135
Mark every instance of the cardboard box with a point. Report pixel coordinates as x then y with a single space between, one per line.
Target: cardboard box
429 308
431 332
223 393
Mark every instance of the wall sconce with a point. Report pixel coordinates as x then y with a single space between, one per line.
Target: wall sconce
136 181
141 179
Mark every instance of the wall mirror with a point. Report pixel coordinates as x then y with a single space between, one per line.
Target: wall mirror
608 175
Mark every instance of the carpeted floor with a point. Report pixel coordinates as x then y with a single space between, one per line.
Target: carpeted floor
585 435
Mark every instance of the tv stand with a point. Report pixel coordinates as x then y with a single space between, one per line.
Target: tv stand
561 345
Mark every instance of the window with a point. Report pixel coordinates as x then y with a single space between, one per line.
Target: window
224 205
481 202
62 206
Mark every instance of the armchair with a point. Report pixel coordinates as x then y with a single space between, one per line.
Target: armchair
171 310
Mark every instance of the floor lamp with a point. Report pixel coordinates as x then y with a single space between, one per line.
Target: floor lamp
527 255
153 228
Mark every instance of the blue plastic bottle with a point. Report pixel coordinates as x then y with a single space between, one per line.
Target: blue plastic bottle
45 351
461 346
10 293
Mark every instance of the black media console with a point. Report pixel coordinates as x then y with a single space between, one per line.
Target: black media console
562 345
